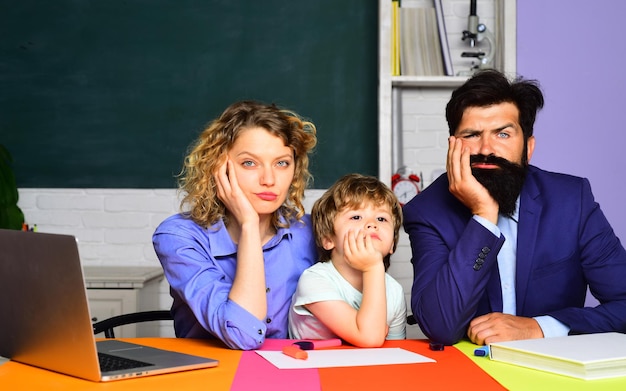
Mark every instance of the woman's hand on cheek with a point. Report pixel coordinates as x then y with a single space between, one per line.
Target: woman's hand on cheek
221 181
231 195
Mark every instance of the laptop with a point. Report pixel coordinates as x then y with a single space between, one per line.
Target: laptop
45 315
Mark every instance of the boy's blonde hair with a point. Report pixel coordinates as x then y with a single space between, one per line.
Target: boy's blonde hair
351 192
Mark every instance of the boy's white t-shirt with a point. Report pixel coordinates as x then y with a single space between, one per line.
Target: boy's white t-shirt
322 282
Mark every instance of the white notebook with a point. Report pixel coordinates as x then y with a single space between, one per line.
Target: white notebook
588 356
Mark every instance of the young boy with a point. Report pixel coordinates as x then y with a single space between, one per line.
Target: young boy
347 293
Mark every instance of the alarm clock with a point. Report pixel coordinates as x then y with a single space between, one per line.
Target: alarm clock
405 186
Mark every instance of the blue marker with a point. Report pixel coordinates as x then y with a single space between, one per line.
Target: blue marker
482 351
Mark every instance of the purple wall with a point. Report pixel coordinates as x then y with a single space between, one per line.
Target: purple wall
576 50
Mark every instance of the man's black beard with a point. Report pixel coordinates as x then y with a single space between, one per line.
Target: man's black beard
504 184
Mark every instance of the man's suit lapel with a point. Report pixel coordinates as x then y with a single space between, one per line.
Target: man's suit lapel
527 234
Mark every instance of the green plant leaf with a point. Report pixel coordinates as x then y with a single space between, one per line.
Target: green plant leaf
11 216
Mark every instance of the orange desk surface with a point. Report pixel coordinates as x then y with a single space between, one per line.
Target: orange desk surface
240 370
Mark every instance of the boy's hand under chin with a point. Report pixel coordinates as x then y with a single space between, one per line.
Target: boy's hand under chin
360 253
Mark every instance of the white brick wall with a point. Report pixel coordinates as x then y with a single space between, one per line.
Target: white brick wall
424 130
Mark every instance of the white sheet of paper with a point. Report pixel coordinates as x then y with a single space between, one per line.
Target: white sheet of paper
344 358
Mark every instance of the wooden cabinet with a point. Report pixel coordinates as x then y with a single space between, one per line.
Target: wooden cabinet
120 290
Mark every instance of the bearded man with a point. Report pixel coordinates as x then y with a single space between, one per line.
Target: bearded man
503 250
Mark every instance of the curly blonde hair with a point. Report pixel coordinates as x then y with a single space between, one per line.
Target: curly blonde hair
208 152
351 192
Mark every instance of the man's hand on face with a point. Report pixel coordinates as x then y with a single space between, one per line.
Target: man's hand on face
464 186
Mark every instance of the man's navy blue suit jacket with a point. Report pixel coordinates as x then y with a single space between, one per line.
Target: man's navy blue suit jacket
564 244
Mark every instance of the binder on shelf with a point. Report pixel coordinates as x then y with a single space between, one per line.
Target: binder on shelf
395 39
420 47
443 39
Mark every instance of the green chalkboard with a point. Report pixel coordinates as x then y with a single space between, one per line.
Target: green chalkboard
109 93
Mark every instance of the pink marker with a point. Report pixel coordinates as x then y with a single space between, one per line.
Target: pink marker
318 343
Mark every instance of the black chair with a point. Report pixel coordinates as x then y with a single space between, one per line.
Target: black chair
107 325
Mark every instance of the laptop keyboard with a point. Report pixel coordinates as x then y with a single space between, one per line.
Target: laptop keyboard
109 363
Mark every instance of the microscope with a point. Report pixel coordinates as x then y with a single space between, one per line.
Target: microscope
477 32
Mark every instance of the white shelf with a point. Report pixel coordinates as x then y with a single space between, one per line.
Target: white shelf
427 81
120 277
